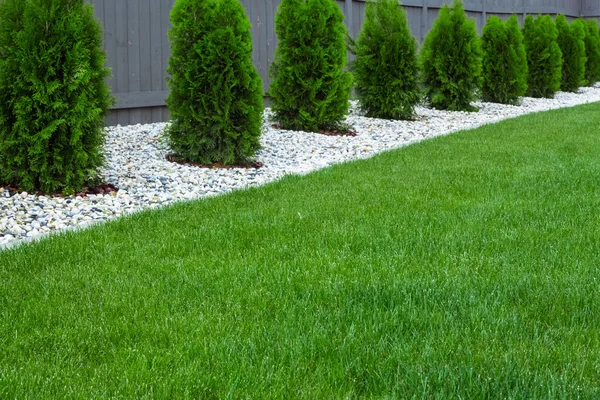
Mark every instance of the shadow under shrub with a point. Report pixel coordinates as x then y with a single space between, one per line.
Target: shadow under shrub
310 88
216 102
53 95
451 59
386 67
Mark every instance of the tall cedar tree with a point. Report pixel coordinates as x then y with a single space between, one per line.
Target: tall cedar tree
451 58
571 42
386 67
504 61
216 100
544 58
53 95
592 52
519 57
310 88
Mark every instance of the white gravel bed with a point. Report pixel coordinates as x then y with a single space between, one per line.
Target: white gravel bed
136 164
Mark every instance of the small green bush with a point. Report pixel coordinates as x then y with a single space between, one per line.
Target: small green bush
53 95
216 100
310 88
451 59
592 52
386 67
571 42
544 58
504 61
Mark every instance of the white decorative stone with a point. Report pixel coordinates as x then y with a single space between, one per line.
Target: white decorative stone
136 163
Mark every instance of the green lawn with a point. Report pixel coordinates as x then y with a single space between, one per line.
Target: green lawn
466 266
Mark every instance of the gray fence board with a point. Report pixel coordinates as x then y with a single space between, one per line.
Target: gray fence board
138 49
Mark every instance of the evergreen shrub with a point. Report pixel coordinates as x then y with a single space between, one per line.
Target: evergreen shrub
216 102
571 42
451 58
592 52
504 61
310 88
53 95
386 67
544 58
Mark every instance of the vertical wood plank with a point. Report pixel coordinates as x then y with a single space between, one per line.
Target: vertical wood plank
121 62
145 57
424 21
110 44
157 67
263 15
356 19
166 6
133 53
111 119
349 8
271 39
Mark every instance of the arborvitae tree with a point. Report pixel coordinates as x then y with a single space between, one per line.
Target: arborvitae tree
216 100
544 58
518 58
386 66
53 95
451 60
310 87
504 61
570 40
592 52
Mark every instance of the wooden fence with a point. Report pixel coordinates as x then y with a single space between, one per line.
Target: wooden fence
137 46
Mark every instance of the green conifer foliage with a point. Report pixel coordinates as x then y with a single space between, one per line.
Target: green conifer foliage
571 42
592 52
451 59
53 95
518 58
216 100
504 61
544 58
386 67
310 88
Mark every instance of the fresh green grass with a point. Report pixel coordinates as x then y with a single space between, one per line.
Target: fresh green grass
467 266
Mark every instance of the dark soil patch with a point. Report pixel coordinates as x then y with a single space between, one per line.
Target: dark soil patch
332 132
172 158
104 188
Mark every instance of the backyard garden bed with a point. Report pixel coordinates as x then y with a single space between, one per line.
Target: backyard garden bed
137 164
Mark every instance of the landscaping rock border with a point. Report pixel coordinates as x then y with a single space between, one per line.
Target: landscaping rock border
137 164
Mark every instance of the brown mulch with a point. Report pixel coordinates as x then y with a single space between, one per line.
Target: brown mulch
326 132
255 165
104 188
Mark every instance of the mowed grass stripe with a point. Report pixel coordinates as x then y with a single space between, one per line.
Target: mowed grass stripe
464 266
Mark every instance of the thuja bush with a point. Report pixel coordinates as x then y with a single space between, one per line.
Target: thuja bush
53 95
571 42
310 87
504 61
216 100
518 58
386 67
544 58
451 59
592 52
